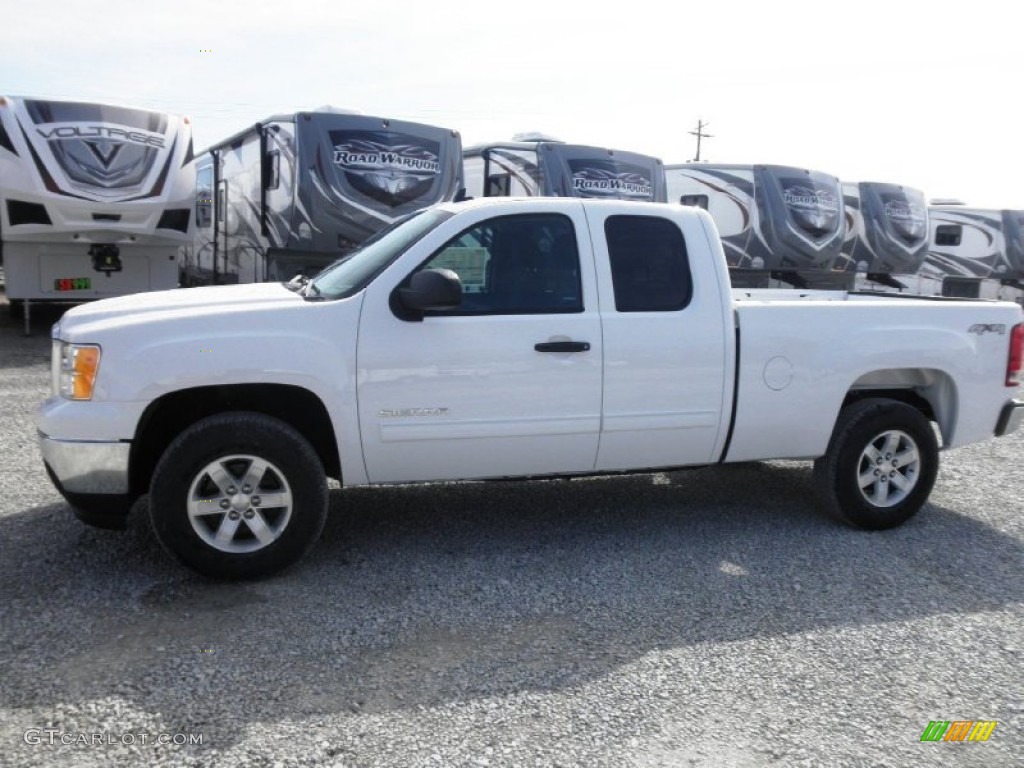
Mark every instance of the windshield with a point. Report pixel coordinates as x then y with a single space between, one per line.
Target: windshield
355 272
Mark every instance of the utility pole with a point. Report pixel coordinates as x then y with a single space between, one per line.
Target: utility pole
699 133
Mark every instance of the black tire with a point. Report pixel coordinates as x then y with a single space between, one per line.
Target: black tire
100 510
293 472
862 428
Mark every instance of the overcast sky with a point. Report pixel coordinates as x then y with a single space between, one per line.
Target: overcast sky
922 94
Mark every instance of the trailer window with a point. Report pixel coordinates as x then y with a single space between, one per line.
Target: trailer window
948 234
525 264
695 201
272 170
204 198
650 269
473 171
512 172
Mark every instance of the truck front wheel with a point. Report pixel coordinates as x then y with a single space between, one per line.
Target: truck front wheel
238 495
881 464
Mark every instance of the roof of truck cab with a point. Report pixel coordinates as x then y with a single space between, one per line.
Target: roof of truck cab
550 203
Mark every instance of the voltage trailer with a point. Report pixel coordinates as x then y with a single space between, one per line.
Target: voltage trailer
295 192
545 167
599 336
95 199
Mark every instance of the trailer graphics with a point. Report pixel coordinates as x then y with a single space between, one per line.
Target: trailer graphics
102 152
972 242
972 253
968 253
295 192
886 228
95 199
608 179
771 218
388 167
549 168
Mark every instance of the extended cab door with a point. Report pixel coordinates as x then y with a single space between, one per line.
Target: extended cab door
508 383
668 343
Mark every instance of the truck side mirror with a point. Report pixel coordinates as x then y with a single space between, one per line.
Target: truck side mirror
432 289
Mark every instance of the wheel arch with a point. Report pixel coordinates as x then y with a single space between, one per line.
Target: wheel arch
931 391
169 415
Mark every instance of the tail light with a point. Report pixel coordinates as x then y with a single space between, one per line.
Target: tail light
1015 360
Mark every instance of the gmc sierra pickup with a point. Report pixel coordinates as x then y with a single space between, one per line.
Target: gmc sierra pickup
505 338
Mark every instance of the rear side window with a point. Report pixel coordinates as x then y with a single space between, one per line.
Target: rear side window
650 269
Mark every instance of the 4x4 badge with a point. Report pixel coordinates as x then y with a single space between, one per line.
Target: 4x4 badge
983 328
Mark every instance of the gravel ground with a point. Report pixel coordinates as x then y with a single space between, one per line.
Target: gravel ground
708 617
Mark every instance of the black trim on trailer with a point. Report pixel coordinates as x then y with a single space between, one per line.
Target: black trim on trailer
735 397
189 155
215 156
5 140
174 218
21 212
264 229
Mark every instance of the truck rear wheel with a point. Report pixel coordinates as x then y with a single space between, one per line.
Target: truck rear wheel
238 495
881 464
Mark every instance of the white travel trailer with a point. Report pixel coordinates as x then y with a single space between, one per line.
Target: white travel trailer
538 166
974 253
886 231
95 199
295 192
777 223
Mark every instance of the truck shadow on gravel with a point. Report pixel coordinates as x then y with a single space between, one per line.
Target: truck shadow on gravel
433 595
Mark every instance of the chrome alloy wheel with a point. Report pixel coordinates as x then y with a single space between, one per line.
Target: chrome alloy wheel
888 469
239 503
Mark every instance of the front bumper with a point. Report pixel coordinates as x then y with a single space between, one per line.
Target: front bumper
1010 418
84 466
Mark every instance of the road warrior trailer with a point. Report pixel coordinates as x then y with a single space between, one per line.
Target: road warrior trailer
551 168
886 231
295 192
776 222
95 199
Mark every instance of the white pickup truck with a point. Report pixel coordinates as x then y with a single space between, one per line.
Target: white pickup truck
505 338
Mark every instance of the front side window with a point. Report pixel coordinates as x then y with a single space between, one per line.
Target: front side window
650 269
523 264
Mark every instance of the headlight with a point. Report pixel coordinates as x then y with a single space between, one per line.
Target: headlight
79 364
